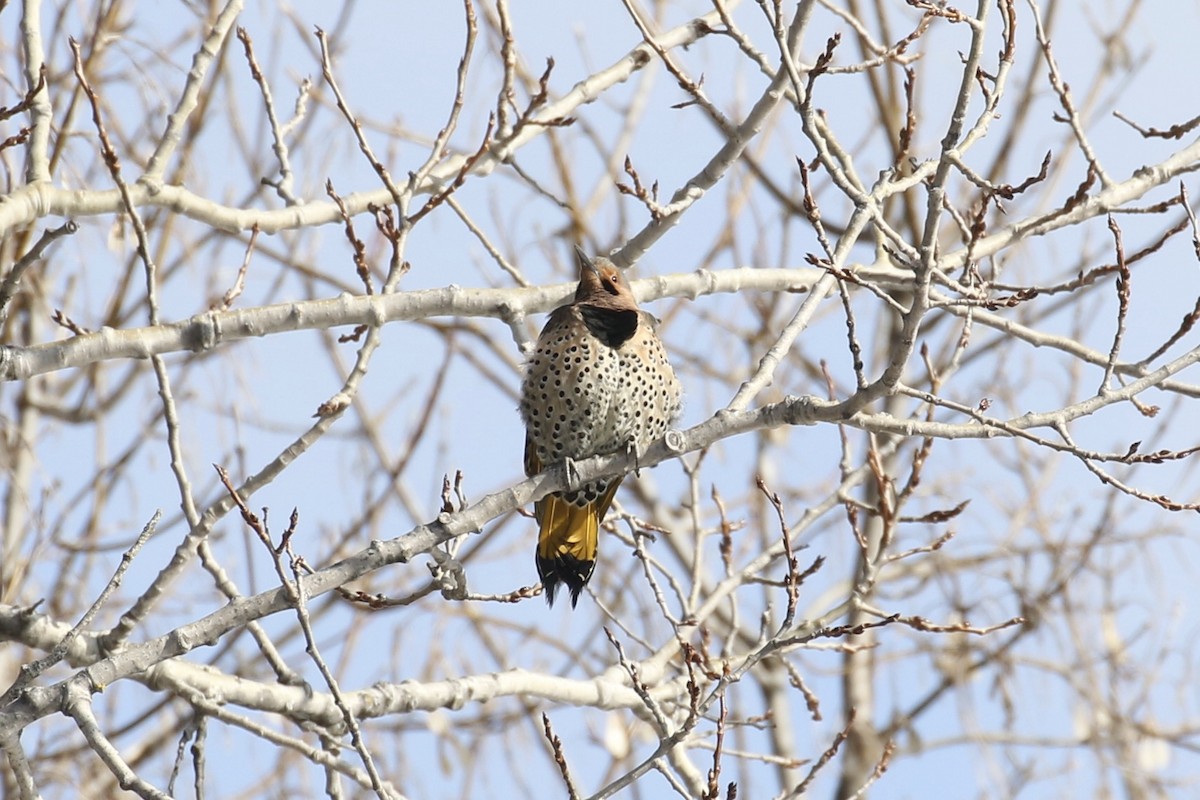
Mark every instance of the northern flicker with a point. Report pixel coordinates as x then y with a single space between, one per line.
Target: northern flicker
598 383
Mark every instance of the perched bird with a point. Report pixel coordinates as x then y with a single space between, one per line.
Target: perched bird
598 383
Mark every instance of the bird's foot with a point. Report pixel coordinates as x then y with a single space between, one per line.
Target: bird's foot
631 449
571 474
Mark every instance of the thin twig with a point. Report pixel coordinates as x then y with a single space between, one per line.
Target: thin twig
239 283
560 758
30 672
1123 291
12 281
282 185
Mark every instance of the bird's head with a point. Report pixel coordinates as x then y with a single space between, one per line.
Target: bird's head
602 283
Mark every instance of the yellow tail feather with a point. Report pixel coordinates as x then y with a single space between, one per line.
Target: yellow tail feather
568 540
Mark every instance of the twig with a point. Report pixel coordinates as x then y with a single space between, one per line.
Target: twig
1123 290
881 767
560 758
193 732
924 625
282 185
512 270
78 705
356 244
1107 479
1191 215
12 281
639 686
737 139
460 178
30 672
810 698
438 150
714 774
506 97
26 102
792 581
239 283
826 756
21 771
639 551
1174 132
41 113
203 58
1063 91
399 198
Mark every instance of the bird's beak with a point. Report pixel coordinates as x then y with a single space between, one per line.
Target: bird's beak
584 261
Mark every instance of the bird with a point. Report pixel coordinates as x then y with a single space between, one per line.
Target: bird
598 382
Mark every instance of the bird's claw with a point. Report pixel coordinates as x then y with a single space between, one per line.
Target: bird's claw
631 449
571 474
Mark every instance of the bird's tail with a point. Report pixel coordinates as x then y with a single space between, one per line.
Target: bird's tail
568 538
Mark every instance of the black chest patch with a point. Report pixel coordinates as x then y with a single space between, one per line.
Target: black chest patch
609 325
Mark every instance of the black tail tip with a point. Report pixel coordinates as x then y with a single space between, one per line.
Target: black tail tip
564 569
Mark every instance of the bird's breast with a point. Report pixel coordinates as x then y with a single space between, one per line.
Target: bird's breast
581 397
